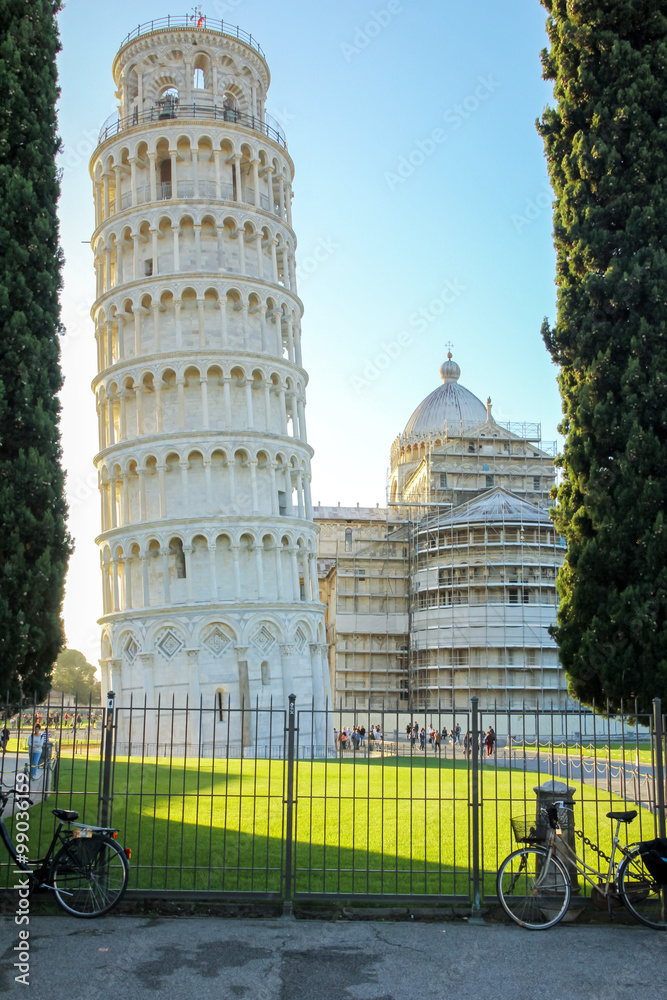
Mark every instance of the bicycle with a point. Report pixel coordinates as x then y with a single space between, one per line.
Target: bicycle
88 875
534 882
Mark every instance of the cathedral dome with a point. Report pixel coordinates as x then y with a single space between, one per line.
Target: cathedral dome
449 405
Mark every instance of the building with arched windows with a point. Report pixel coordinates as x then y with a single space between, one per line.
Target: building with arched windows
449 592
207 543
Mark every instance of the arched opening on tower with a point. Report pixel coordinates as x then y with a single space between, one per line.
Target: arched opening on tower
229 106
177 557
201 72
221 701
168 103
165 179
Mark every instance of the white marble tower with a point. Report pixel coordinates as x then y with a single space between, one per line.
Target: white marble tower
208 547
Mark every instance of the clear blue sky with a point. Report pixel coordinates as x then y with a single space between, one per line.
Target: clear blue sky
420 183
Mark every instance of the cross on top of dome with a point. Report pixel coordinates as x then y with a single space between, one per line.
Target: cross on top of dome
449 370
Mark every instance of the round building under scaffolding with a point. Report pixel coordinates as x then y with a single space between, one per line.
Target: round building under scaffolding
483 594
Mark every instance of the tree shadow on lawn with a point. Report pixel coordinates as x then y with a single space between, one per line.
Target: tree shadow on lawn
373 829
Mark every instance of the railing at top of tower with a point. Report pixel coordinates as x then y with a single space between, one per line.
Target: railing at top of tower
193 21
161 112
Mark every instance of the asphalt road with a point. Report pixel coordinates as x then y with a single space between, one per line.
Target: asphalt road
201 958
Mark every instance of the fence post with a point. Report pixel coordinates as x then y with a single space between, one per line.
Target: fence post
107 761
660 770
476 915
289 804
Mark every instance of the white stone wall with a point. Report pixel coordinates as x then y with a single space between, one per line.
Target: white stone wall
207 544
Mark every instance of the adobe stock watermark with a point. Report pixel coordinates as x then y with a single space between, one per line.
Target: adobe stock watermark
74 155
82 325
376 23
22 885
282 116
532 209
223 10
78 494
419 320
323 251
454 118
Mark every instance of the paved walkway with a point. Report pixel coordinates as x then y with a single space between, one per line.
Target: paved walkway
195 958
8 768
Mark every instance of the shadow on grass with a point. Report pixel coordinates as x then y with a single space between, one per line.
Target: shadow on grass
388 826
222 830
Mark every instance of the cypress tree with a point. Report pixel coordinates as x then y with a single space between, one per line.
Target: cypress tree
34 544
606 146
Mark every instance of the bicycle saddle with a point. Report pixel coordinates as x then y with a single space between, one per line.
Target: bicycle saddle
68 814
625 817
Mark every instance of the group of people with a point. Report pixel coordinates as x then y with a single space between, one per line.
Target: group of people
355 738
54 720
35 742
437 739
38 737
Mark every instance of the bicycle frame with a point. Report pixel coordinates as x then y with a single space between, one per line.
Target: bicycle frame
562 850
38 869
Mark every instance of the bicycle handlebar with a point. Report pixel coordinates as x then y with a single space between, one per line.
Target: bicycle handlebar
4 796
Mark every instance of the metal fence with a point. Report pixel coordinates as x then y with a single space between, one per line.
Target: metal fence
191 22
266 803
160 112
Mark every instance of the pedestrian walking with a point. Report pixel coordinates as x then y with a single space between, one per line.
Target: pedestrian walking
35 746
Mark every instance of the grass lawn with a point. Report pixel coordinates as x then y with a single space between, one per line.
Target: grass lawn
393 826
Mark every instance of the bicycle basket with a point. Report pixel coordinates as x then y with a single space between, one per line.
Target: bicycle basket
654 856
528 830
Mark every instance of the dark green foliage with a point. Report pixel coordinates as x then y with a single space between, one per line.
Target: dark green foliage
606 145
73 675
34 545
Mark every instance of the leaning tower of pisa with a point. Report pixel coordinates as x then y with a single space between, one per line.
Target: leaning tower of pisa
207 544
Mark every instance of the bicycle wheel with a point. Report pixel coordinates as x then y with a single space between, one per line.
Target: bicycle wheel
89 875
642 895
533 888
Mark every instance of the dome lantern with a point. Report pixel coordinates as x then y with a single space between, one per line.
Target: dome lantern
451 406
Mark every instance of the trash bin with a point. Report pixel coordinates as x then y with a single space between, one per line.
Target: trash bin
547 794
47 753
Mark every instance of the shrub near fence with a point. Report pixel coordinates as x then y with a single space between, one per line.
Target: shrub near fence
288 819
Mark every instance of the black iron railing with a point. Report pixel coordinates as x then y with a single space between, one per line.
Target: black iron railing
191 21
170 112
272 803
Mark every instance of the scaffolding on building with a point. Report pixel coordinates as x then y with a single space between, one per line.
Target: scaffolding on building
483 595
371 620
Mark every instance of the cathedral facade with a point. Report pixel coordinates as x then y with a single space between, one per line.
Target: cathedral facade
207 543
449 592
